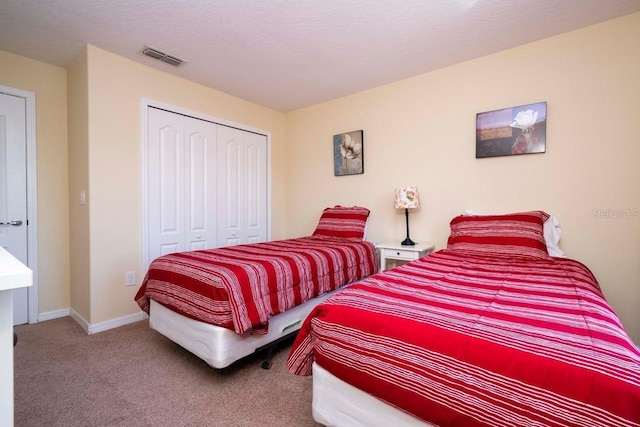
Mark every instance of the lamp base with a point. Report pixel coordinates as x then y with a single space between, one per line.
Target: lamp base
408 242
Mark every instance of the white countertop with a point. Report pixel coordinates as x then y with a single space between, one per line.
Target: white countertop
13 273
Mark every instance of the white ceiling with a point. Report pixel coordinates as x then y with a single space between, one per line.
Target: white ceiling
288 54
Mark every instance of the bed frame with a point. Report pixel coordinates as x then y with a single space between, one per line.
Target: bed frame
220 347
337 403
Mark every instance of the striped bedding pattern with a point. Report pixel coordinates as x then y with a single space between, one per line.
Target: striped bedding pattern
516 235
241 287
462 340
343 222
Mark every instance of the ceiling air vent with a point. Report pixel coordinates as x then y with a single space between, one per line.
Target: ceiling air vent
162 56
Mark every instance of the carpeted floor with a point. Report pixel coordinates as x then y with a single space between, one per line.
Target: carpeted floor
133 376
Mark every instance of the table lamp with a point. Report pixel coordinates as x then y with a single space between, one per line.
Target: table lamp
407 198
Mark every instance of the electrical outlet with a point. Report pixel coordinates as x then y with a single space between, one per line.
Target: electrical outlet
130 278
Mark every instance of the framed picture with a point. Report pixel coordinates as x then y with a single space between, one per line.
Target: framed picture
515 130
348 153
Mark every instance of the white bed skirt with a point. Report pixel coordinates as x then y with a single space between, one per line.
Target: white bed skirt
218 346
338 404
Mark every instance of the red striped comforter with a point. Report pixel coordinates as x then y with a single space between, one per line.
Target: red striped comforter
241 287
468 340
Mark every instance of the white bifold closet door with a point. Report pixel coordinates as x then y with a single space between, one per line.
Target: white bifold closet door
182 183
242 185
207 184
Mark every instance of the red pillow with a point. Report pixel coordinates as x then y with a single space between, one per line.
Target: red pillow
343 223
518 235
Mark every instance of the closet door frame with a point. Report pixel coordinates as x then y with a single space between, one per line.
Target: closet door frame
149 103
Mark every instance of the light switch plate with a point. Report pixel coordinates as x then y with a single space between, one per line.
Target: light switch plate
130 278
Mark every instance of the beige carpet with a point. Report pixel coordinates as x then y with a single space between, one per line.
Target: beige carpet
133 376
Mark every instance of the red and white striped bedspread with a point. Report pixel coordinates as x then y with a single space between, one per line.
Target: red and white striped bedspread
469 340
241 287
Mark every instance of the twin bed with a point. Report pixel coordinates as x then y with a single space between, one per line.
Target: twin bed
226 303
490 331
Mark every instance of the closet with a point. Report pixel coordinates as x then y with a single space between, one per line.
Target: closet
206 184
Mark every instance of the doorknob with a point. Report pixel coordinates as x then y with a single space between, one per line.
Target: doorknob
15 222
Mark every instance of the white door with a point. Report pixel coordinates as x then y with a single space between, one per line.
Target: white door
181 183
13 191
206 184
242 186
200 184
166 190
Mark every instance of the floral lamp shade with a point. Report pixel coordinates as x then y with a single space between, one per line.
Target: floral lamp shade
407 198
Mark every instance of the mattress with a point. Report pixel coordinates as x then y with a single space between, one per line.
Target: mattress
219 346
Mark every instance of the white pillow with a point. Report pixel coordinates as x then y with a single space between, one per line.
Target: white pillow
551 229
552 232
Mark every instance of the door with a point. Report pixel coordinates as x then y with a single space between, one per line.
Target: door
13 191
242 186
206 184
181 183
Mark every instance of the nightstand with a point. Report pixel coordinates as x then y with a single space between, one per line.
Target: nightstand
396 251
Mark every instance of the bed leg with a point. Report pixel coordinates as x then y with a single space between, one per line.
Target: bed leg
266 364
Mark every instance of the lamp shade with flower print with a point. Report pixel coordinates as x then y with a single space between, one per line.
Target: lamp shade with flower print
407 198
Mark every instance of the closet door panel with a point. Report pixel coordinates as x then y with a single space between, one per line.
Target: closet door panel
230 187
165 183
200 182
256 185
242 185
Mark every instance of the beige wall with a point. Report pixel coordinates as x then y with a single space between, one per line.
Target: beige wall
115 88
418 131
49 84
421 131
80 295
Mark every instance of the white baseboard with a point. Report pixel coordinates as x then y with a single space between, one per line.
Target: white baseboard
92 328
114 323
80 320
55 314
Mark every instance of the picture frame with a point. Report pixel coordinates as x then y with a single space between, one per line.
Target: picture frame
348 153
512 131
